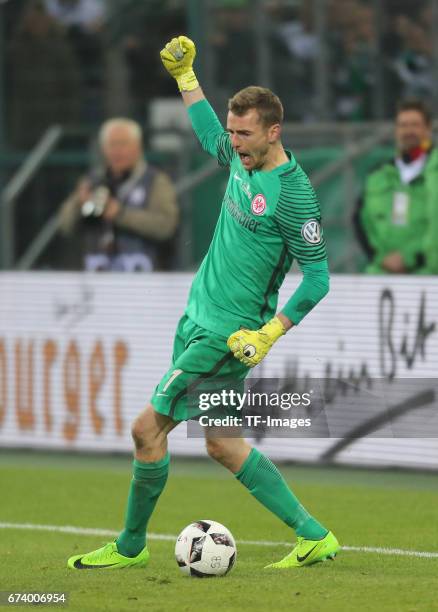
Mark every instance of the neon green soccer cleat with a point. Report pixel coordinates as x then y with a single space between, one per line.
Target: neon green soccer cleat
307 552
108 557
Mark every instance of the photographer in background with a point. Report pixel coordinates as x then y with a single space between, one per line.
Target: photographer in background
123 209
397 218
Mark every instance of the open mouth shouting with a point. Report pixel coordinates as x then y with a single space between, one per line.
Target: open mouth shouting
245 159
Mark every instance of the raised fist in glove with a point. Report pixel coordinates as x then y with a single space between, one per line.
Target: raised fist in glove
250 347
178 56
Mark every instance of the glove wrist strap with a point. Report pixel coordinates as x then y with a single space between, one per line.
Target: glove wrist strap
187 81
275 328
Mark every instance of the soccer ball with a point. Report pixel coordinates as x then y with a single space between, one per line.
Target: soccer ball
205 548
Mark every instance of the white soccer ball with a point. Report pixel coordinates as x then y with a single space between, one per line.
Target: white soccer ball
205 548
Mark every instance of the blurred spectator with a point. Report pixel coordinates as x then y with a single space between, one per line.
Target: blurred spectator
86 15
83 21
353 74
123 209
397 220
234 46
43 77
413 62
294 45
137 31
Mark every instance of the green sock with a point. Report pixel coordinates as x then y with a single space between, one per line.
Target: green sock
147 484
260 476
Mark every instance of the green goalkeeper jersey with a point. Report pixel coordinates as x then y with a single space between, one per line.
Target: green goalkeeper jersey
267 219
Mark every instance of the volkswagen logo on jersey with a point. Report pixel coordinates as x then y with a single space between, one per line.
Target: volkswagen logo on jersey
258 204
311 232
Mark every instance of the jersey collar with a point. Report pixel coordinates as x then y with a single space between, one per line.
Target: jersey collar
289 165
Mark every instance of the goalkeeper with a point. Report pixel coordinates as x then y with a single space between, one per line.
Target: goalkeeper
270 216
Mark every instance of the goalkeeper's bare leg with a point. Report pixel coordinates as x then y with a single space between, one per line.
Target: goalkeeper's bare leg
151 466
263 480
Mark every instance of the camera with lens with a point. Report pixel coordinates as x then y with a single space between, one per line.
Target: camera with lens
94 207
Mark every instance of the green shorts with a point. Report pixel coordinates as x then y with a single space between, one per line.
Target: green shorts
201 363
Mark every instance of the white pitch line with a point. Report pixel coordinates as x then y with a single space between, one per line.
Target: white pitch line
169 537
392 551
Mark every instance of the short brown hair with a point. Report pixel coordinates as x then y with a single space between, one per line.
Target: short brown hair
415 104
265 102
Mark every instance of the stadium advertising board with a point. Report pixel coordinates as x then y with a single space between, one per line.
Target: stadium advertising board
80 356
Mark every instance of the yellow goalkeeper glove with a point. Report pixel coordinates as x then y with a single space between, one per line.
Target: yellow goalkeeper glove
251 346
177 57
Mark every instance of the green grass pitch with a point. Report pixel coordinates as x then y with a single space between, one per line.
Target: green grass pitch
364 508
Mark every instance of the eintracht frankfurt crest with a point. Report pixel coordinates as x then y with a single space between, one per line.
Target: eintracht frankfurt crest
258 204
311 232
